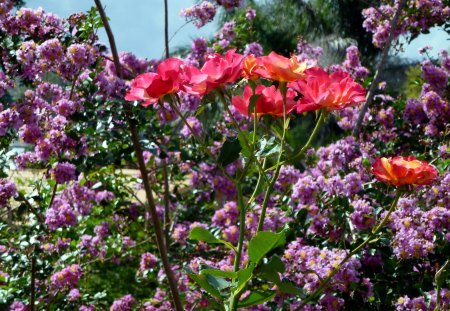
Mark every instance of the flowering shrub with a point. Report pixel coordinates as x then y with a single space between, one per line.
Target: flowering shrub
229 209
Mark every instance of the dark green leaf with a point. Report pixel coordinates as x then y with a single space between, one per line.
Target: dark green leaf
256 298
245 151
202 281
220 273
201 234
230 151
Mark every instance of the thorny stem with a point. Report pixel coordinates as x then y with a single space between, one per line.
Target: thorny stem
326 281
147 187
381 64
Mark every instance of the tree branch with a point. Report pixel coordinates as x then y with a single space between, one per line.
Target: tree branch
147 187
381 64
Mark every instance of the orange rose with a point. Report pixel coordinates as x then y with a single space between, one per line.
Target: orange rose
279 68
249 66
400 171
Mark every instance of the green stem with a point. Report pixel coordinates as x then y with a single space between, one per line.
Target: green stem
438 279
277 166
258 184
198 139
241 208
322 118
244 137
327 280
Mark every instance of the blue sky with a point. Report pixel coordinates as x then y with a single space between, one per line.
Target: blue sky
138 25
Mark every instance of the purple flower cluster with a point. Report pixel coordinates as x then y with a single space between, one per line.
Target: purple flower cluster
363 215
63 172
125 303
352 64
66 278
7 191
199 49
307 52
253 48
301 260
18 306
414 229
420 16
427 303
60 214
431 111
230 4
195 126
148 261
200 14
225 35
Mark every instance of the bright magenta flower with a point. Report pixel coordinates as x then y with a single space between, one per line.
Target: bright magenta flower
172 75
331 92
222 69
270 101
152 86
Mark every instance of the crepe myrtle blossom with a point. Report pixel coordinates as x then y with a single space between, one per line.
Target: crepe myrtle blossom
331 92
200 14
279 68
270 101
400 171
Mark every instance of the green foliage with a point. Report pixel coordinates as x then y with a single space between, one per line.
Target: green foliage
413 83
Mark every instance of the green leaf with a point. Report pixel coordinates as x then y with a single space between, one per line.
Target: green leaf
245 151
270 270
289 288
263 242
201 234
244 275
218 283
220 273
256 298
301 216
268 147
202 281
230 151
